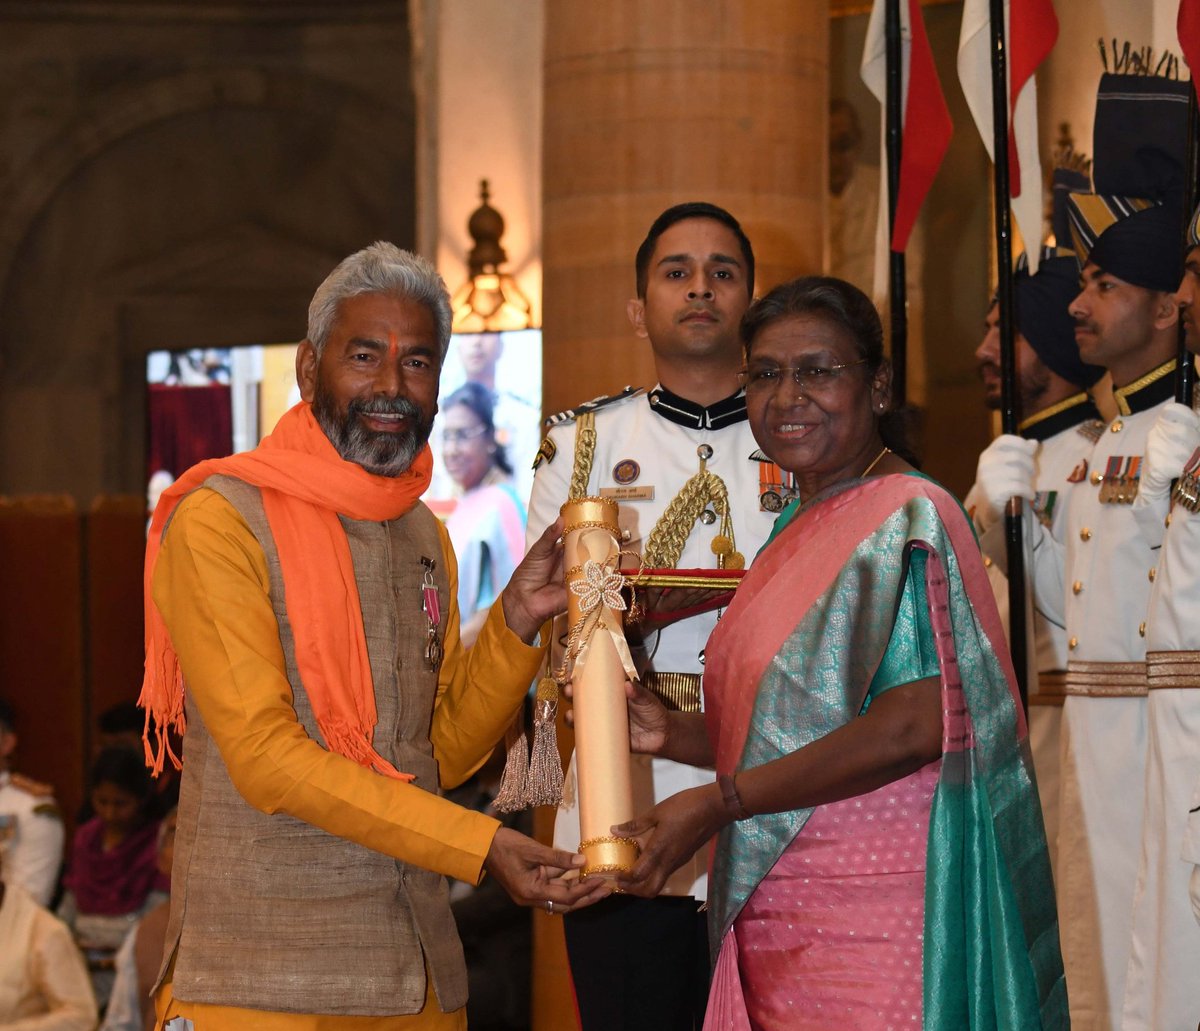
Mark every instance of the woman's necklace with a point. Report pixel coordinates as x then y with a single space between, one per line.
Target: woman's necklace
874 462
800 500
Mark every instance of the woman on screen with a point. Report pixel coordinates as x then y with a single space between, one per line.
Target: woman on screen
487 525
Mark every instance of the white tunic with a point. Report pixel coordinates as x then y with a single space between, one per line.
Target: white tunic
1162 990
1104 582
1066 434
631 429
44 983
31 840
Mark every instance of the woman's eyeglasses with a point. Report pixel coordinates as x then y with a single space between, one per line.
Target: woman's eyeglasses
462 436
761 377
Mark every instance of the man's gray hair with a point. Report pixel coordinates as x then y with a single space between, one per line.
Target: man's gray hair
382 268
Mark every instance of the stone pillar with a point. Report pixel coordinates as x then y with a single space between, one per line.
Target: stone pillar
649 105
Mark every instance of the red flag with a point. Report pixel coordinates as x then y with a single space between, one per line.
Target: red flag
1188 28
1032 31
927 131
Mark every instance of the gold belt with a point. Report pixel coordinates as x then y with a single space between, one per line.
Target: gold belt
678 691
1051 688
1173 669
1106 679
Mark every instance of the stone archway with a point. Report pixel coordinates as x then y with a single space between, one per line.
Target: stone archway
217 196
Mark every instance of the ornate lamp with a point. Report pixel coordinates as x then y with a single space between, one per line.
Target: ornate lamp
490 300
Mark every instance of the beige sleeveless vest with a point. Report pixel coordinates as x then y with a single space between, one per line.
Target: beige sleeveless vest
268 912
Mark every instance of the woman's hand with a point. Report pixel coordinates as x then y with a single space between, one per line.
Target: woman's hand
648 722
648 719
669 835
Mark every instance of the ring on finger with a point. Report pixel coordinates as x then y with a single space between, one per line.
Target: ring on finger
549 907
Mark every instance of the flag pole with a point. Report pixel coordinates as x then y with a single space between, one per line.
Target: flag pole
1008 369
1185 369
897 283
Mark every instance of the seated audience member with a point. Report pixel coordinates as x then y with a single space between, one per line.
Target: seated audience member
130 1007
31 828
121 726
43 981
112 875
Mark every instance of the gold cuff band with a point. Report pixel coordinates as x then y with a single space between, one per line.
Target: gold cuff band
1106 679
677 691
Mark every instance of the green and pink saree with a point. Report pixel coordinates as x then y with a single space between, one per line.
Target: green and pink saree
927 903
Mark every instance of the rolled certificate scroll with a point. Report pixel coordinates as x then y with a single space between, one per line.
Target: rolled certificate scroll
598 663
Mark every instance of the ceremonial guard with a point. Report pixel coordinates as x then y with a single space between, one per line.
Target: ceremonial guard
678 459
1160 990
1126 238
31 827
1058 429
1107 576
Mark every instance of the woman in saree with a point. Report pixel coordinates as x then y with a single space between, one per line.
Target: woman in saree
880 859
487 525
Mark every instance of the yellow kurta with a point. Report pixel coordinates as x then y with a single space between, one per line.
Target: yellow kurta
211 584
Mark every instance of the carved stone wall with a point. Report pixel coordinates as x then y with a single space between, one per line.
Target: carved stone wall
177 175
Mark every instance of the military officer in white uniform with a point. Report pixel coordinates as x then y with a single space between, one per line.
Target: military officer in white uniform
643 963
31 827
1058 428
1164 966
1098 585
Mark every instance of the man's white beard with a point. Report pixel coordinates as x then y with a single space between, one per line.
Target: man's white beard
380 453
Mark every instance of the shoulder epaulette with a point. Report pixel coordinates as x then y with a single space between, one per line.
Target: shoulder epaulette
596 403
1093 429
31 787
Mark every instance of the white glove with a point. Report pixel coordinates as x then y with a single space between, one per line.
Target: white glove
1005 471
1172 439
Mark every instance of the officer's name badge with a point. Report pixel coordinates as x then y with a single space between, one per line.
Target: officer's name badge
628 493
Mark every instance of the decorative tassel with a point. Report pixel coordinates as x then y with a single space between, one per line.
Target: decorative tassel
511 798
545 782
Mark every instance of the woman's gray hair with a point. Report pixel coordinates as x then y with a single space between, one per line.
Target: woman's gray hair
382 268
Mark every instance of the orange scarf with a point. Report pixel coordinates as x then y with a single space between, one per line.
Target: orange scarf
305 484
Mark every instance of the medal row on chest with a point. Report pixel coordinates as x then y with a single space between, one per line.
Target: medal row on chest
1118 483
1187 488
